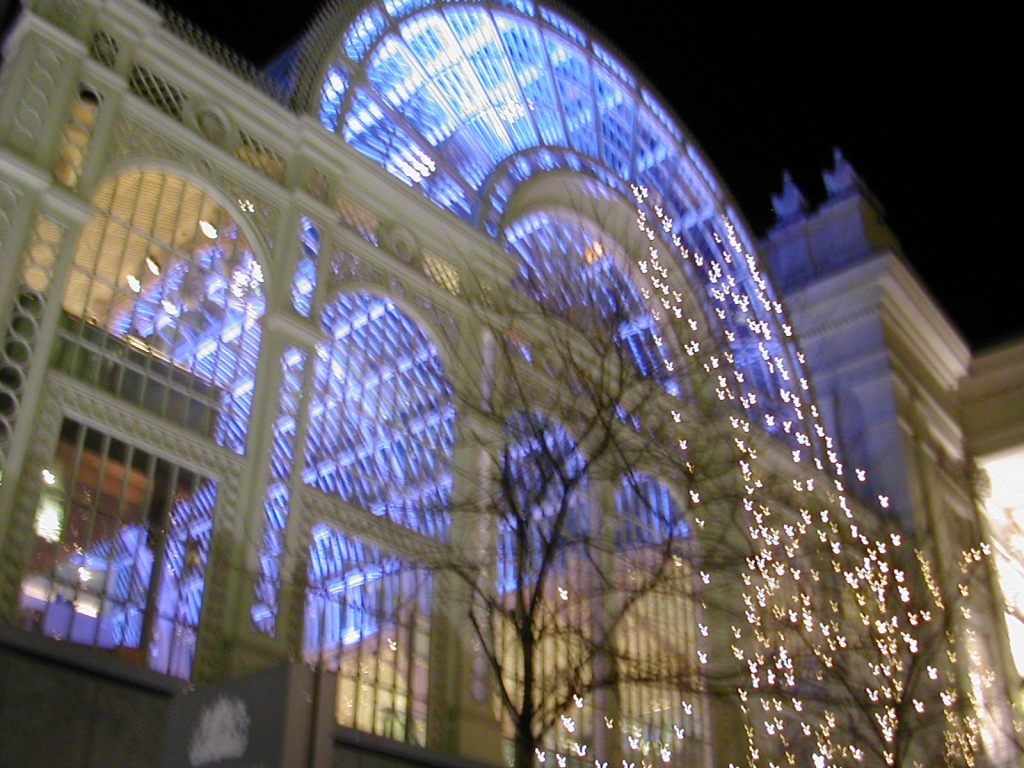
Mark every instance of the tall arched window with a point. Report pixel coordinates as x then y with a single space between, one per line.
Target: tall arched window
543 502
163 304
660 700
368 619
161 310
544 547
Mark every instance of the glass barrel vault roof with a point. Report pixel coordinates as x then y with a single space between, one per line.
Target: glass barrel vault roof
442 93
467 100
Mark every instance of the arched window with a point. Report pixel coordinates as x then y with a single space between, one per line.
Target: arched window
544 542
119 556
381 421
568 264
466 100
163 303
648 515
161 310
543 504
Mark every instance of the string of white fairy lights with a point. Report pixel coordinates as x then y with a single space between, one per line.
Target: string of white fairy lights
776 591
817 582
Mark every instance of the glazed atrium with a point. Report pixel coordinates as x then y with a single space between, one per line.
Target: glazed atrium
332 363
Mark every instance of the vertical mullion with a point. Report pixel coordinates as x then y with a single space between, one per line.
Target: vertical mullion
117 604
376 688
160 538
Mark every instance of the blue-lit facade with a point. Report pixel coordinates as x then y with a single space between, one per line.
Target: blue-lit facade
273 363
469 103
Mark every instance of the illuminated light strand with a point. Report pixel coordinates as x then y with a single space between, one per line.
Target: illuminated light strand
871 581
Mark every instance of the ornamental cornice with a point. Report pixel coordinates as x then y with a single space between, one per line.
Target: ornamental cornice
133 425
320 507
55 27
295 329
358 261
835 321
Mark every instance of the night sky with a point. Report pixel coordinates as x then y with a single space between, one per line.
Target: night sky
925 105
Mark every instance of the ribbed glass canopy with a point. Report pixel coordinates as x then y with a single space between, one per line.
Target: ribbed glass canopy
441 94
469 101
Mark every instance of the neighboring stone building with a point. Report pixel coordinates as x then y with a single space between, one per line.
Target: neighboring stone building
259 333
940 432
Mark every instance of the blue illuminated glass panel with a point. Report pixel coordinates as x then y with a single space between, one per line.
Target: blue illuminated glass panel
163 304
364 32
380 138
559 23
400 8
331 95
304 281
382 419
457 91
119 556
544 503
616 111
525 49
180 599
480 85
567 264
647 513
572 81
368 619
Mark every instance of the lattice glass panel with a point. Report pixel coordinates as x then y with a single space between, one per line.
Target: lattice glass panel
382 418
260 156
317 185
331 95
661 704
118 561
569 265
304 280
162 306
368 618
363 32
157 91
442 272
357 218
546 502
104 49
451 97
544 559
648 513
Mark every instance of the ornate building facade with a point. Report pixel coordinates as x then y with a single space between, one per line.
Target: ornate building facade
284 353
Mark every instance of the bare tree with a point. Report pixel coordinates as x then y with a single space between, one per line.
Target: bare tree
860 644
629 568
582 568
